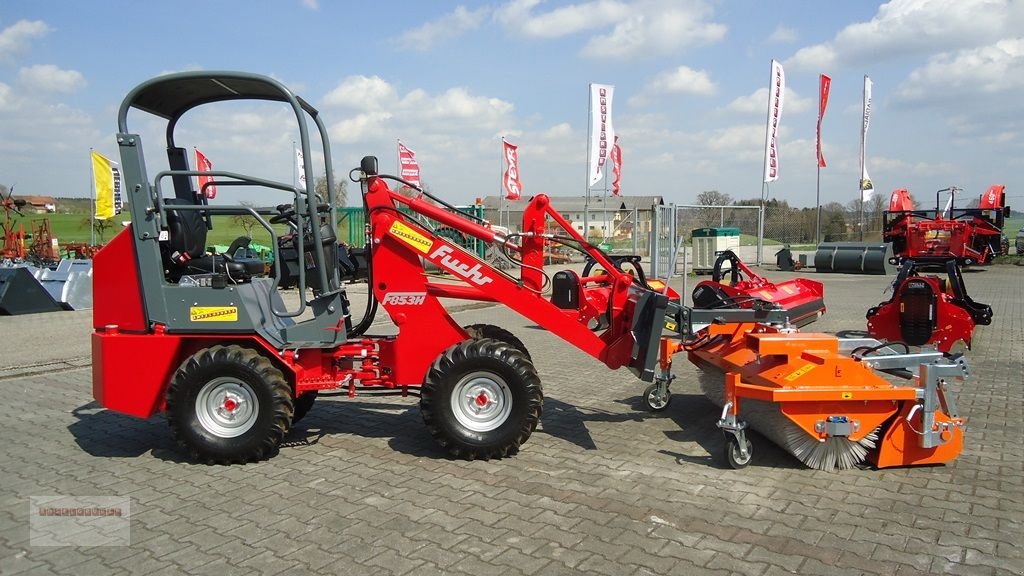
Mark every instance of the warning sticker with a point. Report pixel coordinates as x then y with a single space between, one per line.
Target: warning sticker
213 314
800 372
411 237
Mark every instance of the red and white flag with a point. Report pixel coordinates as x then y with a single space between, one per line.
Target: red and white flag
410 169
206 185
616 166
602 133
825 84
513 186
776 92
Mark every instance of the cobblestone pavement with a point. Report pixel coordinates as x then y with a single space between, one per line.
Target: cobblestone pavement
600 488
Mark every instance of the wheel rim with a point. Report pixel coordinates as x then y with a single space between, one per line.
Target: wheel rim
737 457
481 401
655 401
226 407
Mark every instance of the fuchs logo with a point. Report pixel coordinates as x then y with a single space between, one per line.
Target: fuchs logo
404 298
472 274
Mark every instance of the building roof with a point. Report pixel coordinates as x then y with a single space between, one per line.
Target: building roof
38 200
577 203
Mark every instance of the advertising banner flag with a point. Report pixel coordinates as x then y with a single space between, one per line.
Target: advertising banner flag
107 183
866 188
409 168
602 132
776 94
825 84
300 169
513 185
206 185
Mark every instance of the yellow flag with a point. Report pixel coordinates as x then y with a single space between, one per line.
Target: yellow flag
106 176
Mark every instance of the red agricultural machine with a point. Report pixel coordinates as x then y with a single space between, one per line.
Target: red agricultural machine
928 310
14 236
233 368
968 235
734 285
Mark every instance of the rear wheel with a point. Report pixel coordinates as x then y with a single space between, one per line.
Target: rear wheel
478 331
229 404
481 399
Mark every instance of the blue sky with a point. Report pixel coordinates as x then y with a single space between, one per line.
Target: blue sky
450 79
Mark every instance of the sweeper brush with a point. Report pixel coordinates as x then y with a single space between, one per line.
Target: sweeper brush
824 399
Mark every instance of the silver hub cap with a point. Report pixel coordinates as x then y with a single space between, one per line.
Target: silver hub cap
481 401
226 407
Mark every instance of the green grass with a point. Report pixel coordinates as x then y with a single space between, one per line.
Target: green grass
75 228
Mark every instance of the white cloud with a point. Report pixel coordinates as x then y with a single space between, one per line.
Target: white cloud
448 26
362 93
15 38
312 4
758 103
657 27
907 27
50 78
637 29
561 21
986 70
783 35
682 80
7 101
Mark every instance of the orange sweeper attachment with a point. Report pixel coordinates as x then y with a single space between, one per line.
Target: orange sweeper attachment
834 403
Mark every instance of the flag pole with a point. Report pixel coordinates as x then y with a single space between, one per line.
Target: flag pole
764 168
817 161
501 175
586 201
92 204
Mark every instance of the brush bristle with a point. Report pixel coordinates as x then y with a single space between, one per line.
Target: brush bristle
835 453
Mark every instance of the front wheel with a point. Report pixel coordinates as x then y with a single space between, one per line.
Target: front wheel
656 402
482 398
229 404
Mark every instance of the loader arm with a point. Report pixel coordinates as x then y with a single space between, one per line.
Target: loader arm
399 242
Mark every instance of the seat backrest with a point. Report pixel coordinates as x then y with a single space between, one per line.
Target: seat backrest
186 230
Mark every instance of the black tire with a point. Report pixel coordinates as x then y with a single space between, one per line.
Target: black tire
201 391
478 331
733 456
303 404
481 399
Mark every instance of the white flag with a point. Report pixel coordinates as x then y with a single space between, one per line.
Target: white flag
776 94
300 164
866 188
602 133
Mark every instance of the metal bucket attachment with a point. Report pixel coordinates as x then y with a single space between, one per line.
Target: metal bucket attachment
855 258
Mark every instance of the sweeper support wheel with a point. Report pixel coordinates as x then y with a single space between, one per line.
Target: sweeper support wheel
738 455
656 397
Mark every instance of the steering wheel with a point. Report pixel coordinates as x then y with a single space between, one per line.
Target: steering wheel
287 213
734 273
618 261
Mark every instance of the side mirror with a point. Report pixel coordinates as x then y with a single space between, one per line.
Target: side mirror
1006 211
368 165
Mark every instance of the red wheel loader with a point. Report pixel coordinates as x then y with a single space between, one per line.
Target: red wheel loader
194 335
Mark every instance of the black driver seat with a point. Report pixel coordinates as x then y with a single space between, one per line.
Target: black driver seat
184 251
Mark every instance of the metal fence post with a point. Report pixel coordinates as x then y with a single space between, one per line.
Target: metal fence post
671 268
760 235
636 230
654 240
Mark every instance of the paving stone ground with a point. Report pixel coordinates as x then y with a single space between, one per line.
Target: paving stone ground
601 488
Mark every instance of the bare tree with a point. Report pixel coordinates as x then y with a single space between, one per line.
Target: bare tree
340 190
100 226
245 221
711 216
